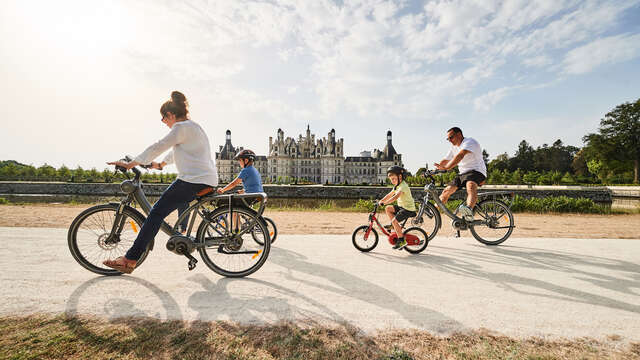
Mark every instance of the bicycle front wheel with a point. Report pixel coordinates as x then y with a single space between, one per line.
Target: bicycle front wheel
364 238
430 221
496 222
226 252
90 241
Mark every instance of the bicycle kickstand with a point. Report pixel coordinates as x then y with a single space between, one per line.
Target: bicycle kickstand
457 233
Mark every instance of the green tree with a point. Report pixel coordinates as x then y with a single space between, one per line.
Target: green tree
618 136
46 172
485 157
93 175
107 175
28 173
64 174
524 157
78 175
579 164
501 162
8 171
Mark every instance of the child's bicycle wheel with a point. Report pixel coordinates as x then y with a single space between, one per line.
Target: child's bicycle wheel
364 238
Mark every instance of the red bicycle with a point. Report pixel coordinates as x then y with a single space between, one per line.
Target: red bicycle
365 237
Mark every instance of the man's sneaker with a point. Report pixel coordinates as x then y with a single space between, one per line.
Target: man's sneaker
465 212
400 244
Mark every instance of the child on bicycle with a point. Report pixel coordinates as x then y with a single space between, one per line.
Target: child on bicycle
405 208
249 177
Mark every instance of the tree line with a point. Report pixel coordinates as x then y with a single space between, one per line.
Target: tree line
14 171
609 156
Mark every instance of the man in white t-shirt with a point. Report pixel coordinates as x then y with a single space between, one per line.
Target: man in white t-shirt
466 153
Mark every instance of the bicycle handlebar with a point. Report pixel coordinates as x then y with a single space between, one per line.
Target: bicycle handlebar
133 169
434 172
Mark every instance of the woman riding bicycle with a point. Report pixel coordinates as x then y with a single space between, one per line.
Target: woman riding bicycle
191 152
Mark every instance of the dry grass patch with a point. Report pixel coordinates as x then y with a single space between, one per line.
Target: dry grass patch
71 337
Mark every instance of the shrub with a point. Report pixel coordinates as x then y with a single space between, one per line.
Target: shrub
3 201
558 204
531 178
364 205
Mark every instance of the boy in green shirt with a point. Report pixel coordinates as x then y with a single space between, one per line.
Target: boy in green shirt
406 207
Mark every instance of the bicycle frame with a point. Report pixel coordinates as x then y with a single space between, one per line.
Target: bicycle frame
195 208
430 190
374 219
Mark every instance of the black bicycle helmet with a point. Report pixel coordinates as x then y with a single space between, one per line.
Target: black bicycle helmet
395 169
245 154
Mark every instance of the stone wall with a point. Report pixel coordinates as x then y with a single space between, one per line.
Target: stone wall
598 194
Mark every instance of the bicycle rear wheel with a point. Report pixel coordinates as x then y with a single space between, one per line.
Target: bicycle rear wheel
497 222
227 253
88 237
419 236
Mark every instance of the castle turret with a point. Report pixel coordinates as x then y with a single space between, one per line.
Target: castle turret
389 151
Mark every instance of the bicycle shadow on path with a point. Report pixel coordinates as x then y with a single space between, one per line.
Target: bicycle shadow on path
476 264
120 310
345 284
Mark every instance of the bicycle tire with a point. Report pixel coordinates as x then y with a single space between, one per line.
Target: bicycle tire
200 236
273 234
435 214
507 211
72 237
420 248
364 228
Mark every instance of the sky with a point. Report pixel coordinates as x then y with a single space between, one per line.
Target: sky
82 81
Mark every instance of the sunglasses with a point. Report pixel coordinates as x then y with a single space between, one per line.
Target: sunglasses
451 137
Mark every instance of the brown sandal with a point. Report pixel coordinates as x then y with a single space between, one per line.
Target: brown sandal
121 264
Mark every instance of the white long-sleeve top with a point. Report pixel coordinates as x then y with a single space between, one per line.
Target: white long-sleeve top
190 151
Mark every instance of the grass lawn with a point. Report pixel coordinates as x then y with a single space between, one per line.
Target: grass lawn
71 337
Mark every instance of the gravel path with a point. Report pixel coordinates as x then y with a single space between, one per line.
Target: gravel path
543 287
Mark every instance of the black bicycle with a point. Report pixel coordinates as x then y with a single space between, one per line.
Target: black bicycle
492 223
233 250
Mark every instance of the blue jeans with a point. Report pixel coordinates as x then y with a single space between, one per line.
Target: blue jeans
185 222
177 194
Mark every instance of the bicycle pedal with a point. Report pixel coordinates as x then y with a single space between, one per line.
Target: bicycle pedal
192 264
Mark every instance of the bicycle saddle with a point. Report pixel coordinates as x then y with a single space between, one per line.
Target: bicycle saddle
205 191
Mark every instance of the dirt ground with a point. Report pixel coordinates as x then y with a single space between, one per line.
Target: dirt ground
317 222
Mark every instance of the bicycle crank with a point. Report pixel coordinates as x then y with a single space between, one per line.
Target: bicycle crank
183 245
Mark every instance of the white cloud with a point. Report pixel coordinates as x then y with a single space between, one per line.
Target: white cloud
537 61
487 101
608 50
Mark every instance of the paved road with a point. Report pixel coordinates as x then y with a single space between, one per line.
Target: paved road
548 287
